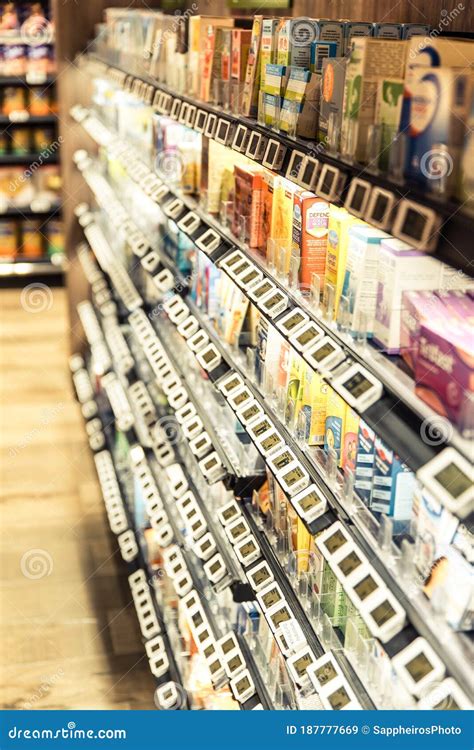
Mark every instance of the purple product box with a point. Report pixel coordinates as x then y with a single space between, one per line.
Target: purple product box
417 307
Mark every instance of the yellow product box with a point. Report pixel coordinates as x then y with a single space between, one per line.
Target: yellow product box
313 405
340 221
197 42
335 423
349 446
252 74
303 546
282 219
294 389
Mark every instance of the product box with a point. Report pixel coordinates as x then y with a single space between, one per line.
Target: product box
295 36
261 350
332 98
268 45
354 29
252 74
319 52
410 30
370 60
310 232
240 52
388 111
248 205
333 597
401 268
364 469
435 527
440 102
198 33
268 178
313 405
274 79
340 221
360 278
276 358
451 567
294 393
349 445
393 486
416 308
332 31
282 218
301 103
334 429
388 30
443 370
271 109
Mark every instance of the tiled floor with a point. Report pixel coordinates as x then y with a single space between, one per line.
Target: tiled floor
68 631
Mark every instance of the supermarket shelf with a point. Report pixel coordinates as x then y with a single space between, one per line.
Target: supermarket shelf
31 211
21 159
27 80
454 246
31 268
23 119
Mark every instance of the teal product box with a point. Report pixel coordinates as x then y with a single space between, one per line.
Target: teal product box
410 30
364 471
393 486
440 103
356 28
388 30
332 31
276 77
319 52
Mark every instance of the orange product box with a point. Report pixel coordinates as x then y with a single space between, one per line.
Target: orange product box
240 52
248 205
309 235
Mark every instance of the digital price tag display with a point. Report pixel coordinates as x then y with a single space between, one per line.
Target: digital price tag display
299 664
242 687
192 427
347 564
176 480
211 125
450 478
292 321
169 384
358 387
249 278
168 696
261 290
160 193
183 113
205 547
281 458
339 697
174 303
191 116
260 576
159 665
198 527
164 535
186 502
174 208
308 174
250 412
358 197
416 224
234 664
447 696
241 139
215 568
189 223
216 669
325 671
274 304
330 183
240 268
228 644
418 666
240 398
331 540
209 358
270 596
277 615
256 146
175 109
223 132
167 104
294 165
310 503
274 155
247 550
324 355
173 561
229 512
158 99
380 207
232 260
188 327
384 617
203 636
306 336
178 397
293 478
230 383
183 584
200 121
198 341
200 445
290 637
270 443
164 281
365 587
209 241
260 429
237 530
211 466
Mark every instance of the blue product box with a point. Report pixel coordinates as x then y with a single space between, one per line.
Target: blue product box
319 51
365 458
393 486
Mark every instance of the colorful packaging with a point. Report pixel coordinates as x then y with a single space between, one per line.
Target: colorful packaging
267 208
39 102
274 79
8 241
294 393
370 60
14 99
282 217
268 48
349 446
295 36
299 112
339 223
20 140
332 98
388 111
313 406
31 239
252 74
320 51
416 308
240 52
55 237
401 268
335 423
393 486
248 205
364 470
310 231
434 526
332 31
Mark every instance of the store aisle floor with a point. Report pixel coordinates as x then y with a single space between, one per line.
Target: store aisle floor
68 631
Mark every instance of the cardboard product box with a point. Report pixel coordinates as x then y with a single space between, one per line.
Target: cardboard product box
268 45
370 59
351 435
310 232
313 405
332 31
240 52
364 469
282 216
294 38
354 29
332 96
335 424
197 33
213 49
340 221
393 486
294 393
388 112
301 100
274 79
248 204
268 178
440 103
416 307
401 268
320 51
252 74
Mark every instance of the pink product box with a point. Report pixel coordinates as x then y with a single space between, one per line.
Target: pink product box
416 308
460 304
444 371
